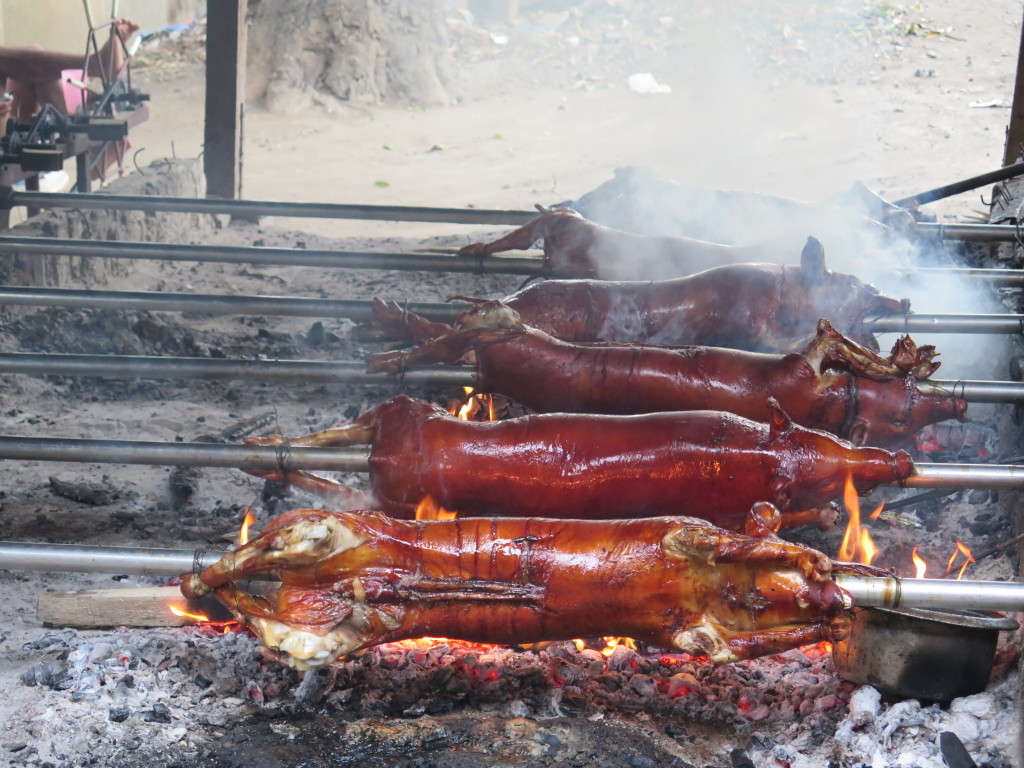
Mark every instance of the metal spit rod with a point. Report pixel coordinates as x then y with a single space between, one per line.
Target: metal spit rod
867 592
1006 477
294 257
137 366
932 594
359 311
299 257
250 208
991 233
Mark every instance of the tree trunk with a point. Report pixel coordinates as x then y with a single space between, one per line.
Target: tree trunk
363 51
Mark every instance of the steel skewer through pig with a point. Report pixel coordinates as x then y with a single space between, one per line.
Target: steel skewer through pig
833 384
355 579
697 463
757 307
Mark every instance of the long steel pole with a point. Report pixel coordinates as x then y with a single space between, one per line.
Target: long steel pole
1005 477
991 233
294 257
250 208
932 594
867 592
360 311
129 366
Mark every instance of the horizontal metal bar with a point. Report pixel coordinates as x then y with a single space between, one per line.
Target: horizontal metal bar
340 459
933 594
293 257
290 371
137 561
975 391
252 208
948 323
991 233
956 187
993 477
998 278
215 304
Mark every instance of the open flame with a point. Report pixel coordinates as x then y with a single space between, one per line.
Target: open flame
920 566
199 618
243 532
428 509
961 549
474 407
857 544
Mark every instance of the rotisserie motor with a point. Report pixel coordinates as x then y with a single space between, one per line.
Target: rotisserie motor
697 463
757 307
350 580
832 384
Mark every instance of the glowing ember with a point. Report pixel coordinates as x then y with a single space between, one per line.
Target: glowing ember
920 566
197 617
428 509
611 643
961 549
857 545
243 533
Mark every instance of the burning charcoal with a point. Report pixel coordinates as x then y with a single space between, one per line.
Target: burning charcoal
622 658
315 685
682 684
643 685
118 714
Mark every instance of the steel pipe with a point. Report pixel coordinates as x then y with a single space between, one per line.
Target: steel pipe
136 561
932 594
993 477
341 459
997 278
948 323
975 391
215 304
947 190
251 208
293 257
289 371
986 233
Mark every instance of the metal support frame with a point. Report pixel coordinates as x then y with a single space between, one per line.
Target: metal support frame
225 97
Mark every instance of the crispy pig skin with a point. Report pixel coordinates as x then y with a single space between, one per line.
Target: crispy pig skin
704 463
833 384
350 580
756 307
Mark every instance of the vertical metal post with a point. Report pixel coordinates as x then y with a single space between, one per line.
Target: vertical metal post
1015 130
225 93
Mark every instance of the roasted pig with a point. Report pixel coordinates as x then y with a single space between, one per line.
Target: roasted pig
832 384
757 307
697 463
351 580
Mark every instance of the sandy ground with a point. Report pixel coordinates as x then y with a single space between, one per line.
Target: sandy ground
900 112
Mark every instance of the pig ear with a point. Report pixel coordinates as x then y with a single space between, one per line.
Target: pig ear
779 422
812 262
858 432
781 486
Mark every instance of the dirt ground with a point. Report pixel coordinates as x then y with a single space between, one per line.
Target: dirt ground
800 101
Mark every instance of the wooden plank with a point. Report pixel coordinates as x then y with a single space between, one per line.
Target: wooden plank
130 607
225 94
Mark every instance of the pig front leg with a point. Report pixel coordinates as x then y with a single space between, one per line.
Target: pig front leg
518 239
831 349
341 497
725 645
390 319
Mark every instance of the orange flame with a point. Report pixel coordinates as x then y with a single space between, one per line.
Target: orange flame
857 544
611 643
920 566
198 617
472 405
243 533
428 509
961 549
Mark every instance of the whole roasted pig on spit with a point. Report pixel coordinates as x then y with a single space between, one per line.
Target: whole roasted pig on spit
693 463
833 384
757 307
355 579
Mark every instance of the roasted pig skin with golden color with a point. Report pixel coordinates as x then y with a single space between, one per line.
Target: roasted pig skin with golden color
355 579
699 463
833 384
756 307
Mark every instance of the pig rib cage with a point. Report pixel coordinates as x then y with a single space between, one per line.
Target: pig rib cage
360 311
352 372
413 262
288 458
866 591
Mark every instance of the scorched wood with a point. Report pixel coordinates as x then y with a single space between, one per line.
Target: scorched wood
350 580
699 463
757 307
832 384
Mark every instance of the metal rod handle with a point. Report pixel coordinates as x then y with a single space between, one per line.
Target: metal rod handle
1000 174
138 561
932 594
948 323
993 477
975 391
986 233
